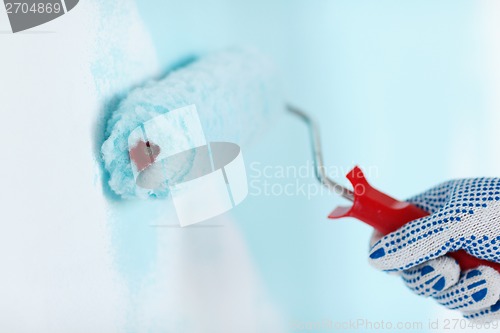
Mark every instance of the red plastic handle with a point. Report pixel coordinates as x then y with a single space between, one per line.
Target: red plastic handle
387 214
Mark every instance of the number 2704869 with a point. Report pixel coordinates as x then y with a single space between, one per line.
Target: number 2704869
25 8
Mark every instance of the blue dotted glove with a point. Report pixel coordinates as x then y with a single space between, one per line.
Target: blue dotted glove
465 214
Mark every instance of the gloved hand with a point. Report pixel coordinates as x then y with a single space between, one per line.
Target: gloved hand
465 214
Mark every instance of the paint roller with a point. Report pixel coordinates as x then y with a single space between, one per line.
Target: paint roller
371 206
180 136
235 94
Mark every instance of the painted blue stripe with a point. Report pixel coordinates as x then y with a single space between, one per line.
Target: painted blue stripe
426 270
477 296
473 273
475 284
430 280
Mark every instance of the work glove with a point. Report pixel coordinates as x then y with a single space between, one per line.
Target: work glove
464 214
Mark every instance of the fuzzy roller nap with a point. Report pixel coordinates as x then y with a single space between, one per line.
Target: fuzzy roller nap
235 93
